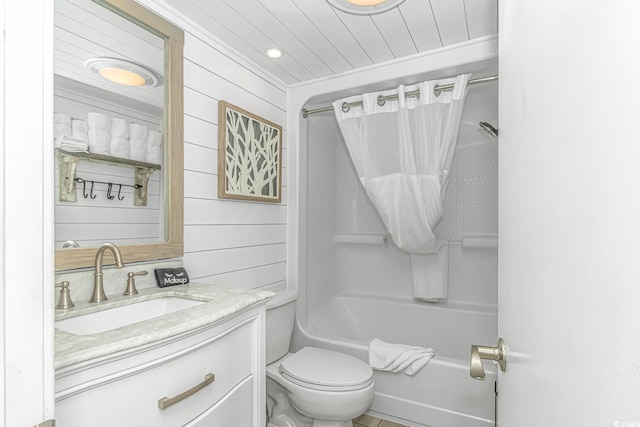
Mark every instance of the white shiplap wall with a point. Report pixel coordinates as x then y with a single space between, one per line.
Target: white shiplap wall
234 243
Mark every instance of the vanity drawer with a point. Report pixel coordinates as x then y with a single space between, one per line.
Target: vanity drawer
130 398
231 410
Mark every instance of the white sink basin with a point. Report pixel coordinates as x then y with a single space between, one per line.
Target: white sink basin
113 318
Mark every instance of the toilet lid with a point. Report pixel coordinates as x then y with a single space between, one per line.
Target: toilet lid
322 369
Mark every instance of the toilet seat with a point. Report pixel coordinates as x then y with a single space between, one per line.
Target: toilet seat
326 370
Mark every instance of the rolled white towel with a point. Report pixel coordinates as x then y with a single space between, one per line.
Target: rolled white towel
403 358
62 119
79 130
138 142
119 128
154 138
99 141
98 121
119 147
137 149
138 131
155 151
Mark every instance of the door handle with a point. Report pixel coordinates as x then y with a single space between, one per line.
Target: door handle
479 352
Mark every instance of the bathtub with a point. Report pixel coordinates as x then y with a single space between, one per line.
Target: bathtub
442 394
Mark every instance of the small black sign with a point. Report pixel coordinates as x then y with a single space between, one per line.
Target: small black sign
171 277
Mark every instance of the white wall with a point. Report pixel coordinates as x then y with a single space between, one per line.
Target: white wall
234 243
26 214
569 213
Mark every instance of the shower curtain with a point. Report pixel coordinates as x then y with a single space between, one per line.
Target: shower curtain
403 151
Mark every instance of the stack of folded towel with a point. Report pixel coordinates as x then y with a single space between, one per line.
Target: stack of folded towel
138 142
99 133
79 130
67 134
398 357
61 126
119 146
155 152
71 145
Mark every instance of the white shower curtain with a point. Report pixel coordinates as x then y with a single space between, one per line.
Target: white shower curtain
403 152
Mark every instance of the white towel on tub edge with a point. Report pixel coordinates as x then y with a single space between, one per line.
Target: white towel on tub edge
407 359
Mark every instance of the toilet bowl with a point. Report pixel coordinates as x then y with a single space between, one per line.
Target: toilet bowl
312 387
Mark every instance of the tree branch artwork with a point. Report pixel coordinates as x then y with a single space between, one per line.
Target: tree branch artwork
249 156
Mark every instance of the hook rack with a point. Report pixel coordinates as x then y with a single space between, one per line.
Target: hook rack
67 163
109 185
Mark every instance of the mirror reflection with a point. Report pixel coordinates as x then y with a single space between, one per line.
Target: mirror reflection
109 112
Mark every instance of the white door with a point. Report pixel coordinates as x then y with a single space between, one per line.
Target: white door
569 269
26 213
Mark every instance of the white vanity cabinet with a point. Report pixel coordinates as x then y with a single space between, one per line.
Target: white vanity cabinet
125 388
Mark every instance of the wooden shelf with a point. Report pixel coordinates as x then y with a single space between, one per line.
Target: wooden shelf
67 162
110 160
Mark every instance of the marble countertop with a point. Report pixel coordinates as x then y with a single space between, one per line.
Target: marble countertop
220 302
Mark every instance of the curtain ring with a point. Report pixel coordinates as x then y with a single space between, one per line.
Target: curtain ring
345 107
436 90
381 101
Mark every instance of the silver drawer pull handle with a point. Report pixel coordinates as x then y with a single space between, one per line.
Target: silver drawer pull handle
166 402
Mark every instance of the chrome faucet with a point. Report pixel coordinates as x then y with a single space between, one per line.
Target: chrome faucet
98 287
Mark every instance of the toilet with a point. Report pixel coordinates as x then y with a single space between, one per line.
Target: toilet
312 387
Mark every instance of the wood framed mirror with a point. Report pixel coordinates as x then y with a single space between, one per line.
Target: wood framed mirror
170 212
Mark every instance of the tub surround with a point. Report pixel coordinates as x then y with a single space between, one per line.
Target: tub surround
221 304
351 293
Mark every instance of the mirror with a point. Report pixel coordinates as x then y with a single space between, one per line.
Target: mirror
117 195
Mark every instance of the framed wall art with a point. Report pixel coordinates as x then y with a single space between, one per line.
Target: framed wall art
249 156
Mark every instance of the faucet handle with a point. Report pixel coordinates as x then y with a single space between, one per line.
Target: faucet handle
131 282
64 302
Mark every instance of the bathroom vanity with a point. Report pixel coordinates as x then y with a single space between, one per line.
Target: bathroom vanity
202 364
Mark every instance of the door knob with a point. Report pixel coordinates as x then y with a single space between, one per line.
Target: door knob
479 352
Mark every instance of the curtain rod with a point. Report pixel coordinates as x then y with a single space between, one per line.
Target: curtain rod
383 99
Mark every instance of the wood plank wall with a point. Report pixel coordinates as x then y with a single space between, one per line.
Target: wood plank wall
232 243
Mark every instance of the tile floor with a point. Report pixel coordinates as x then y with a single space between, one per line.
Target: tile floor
369 421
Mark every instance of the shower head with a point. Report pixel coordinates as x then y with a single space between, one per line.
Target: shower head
489 129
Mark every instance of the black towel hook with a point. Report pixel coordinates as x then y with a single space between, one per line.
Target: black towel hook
93 196
84 187
109 188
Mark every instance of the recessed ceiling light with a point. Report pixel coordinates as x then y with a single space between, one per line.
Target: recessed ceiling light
274 53
123 72
366 2
364 7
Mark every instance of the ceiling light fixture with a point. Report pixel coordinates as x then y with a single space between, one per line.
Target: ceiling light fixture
364 7
274 53
123 72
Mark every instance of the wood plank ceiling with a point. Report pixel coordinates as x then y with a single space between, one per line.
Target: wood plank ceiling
319 40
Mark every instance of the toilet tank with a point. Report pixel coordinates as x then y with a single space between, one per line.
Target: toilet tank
281 312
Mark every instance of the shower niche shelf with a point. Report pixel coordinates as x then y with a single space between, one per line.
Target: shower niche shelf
361 239
480 241
67 165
